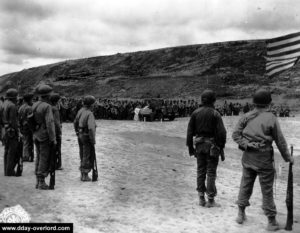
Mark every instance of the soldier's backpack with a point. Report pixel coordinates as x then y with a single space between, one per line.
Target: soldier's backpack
32 124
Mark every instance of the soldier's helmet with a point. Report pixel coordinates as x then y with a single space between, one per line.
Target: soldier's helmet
262 98
28 96
89 100
44 90
54 97
11 93
208 97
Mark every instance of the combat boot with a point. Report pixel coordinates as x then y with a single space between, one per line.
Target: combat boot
241 215
273 224
37 182
86 177
42 184
202 200
211 203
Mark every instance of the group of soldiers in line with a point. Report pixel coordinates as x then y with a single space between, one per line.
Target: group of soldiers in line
37 122
115 109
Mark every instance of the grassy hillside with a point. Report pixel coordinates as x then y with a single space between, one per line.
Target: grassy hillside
232 69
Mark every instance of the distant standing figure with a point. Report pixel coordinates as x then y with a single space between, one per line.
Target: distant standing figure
85 128
136 113
206 125
254 133
11 132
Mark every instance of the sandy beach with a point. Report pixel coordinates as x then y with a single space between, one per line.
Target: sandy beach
147 183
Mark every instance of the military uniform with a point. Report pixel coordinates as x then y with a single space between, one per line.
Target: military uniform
207 126
11 133
85 128
254 133
44 136
27 137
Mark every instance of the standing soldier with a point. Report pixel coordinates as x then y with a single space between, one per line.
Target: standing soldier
27 137
85 128
207 126
11 132
54 98
254 134
44 134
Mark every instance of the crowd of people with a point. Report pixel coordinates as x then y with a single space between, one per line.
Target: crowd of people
126 109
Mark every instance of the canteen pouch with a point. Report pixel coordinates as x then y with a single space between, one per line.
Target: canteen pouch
214 151
202 145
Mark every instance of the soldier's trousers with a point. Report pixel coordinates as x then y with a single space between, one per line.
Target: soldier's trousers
10 155
27 146
206 170
58 152
85 148
266 180
42 163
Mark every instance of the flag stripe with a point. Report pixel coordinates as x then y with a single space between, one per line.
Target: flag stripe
282 42
282 57
291 43
282 48
288 52
281 68
272 66
282 38
269 69
277 73
280 61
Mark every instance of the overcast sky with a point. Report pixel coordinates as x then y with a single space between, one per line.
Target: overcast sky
37 32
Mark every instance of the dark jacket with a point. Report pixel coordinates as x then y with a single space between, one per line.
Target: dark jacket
10 115
206 122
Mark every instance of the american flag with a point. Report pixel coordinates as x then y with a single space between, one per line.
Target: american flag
282 53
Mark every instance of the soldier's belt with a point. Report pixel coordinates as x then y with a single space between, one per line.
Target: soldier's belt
199 140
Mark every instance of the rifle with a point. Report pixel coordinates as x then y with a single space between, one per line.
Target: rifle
53 158
20 157
95 169
289 198
222 154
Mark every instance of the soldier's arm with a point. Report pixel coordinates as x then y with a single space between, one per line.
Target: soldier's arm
92 128
190 133
221 131
76 122
49 120
280 141
57 122
237 134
